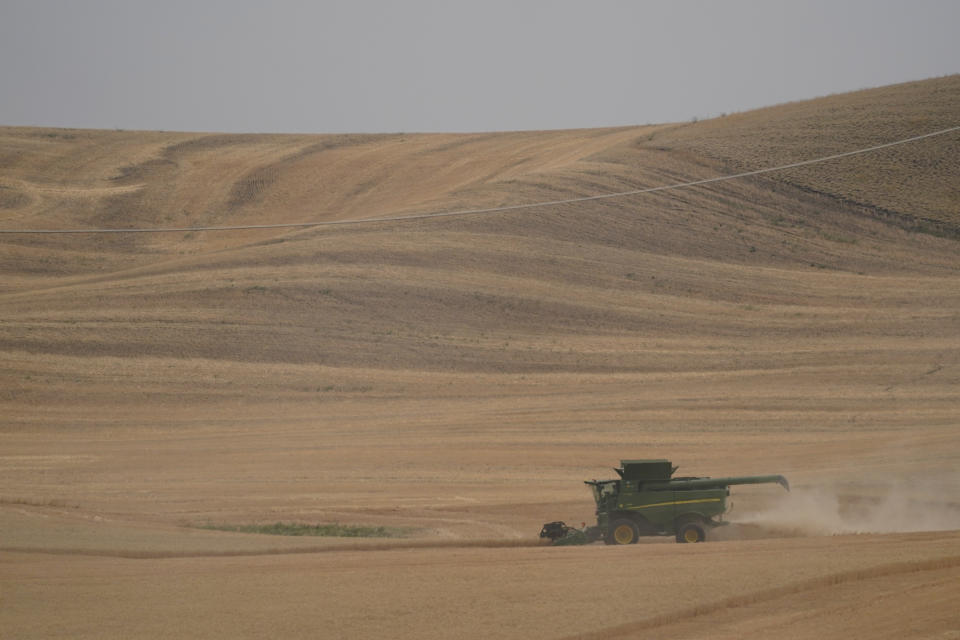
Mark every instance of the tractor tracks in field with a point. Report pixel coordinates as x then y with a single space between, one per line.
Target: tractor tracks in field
631 629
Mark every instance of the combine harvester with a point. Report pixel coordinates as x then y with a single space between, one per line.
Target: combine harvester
646 500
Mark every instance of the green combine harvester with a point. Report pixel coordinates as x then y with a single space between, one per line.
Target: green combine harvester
646 500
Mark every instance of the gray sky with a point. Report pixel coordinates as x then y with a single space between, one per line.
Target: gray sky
419 65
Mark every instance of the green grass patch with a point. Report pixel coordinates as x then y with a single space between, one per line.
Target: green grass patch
320 530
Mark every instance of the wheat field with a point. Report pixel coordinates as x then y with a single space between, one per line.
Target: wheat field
457 378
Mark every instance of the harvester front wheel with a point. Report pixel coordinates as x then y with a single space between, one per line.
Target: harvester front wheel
691 532
623 531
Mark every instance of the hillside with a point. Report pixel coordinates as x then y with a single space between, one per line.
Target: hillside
914 186
461 375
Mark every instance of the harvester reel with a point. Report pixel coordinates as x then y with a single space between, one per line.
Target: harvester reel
554 530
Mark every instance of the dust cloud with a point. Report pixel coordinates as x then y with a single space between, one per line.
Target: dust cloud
829 510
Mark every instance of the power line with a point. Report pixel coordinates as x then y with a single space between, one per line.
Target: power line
515 207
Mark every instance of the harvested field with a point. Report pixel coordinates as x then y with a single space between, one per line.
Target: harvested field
457 378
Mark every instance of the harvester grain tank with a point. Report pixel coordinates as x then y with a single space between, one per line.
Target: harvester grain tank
646 500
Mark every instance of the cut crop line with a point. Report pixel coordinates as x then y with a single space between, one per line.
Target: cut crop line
514 207
496 543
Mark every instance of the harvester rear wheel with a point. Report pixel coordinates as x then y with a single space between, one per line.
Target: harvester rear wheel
623 531
691 532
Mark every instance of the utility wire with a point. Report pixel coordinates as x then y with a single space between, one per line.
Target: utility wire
515 207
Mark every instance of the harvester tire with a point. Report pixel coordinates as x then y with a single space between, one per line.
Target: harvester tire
623 531
691 532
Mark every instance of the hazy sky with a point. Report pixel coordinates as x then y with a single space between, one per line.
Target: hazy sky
419 65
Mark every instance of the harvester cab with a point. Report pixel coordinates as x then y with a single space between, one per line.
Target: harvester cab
646 500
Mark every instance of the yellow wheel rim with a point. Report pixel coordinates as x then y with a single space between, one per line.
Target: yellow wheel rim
691 535
623 534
